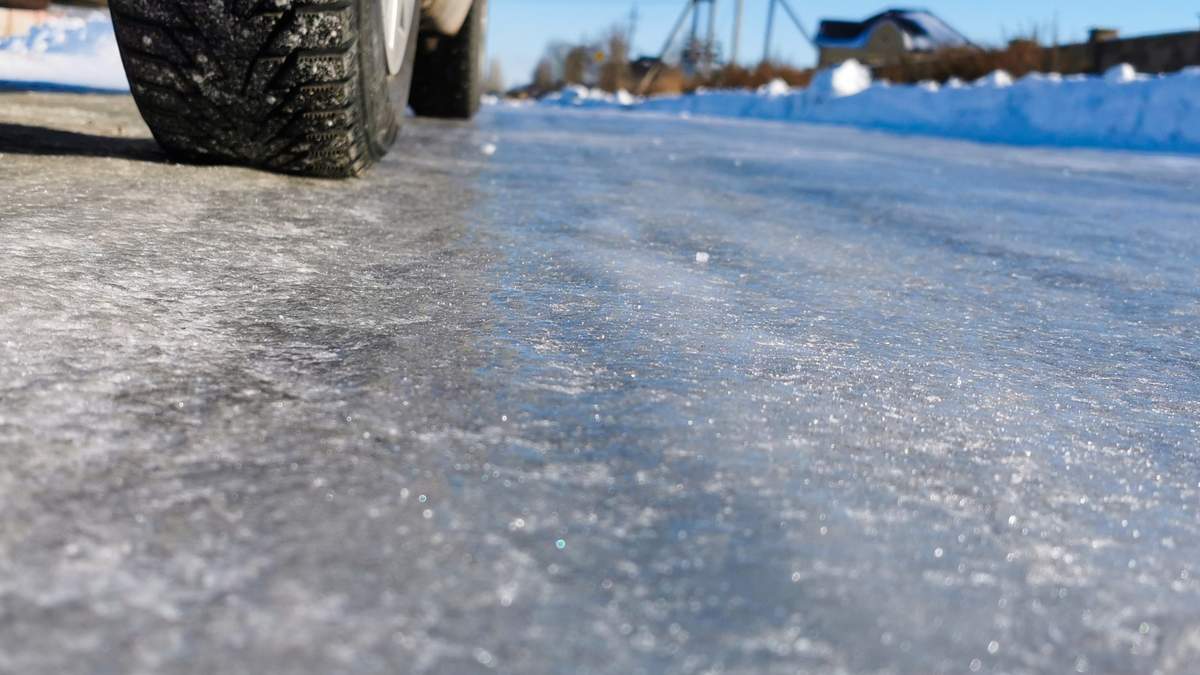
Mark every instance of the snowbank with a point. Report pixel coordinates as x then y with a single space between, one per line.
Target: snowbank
848 79
71 49
1121 109
576 95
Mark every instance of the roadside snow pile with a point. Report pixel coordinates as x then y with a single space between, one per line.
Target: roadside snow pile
581 97
70 49
848 79
775 87
1121 109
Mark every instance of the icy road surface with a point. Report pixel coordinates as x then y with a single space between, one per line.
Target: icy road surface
626 395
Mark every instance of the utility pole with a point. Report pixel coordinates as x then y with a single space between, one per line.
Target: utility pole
710 44
770 30
787 7
675 30
739 5
695 22
700 54
633 24
666 48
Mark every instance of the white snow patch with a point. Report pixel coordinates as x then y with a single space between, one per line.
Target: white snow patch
1120 74
843 80
998 79
702 257
580 96
1122 109
71 48
776 87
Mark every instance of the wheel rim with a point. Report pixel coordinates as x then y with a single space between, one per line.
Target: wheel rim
398 19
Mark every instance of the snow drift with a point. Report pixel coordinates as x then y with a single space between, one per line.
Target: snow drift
71 50
1121 109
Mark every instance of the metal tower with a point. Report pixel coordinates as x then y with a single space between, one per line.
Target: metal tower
700 52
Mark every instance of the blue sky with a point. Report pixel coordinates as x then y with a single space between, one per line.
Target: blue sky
521 28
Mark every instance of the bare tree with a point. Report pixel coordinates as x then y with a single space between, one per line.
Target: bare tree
603 62
575 66
543 77
615 74
494 82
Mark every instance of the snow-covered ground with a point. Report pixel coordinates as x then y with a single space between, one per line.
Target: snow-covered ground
71 49
1121 109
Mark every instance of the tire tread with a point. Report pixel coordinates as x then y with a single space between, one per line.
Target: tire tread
266 83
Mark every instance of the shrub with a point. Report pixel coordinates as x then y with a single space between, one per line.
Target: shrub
738 77
1019 58
672 80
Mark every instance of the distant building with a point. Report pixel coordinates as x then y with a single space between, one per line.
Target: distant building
886 38
643 65
17 22
1106 48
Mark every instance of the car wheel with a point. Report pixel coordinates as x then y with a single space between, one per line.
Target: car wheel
448 80
309 87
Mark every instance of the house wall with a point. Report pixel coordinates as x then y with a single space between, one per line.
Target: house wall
885 46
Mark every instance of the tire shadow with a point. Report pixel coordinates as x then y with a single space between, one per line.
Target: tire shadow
22 139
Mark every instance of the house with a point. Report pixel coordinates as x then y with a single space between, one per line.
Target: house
886 38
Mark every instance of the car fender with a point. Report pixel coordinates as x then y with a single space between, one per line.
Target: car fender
24 4
444 16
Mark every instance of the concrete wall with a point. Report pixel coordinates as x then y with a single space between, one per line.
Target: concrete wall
1151 54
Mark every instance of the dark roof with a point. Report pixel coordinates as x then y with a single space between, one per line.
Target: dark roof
926 30
834 29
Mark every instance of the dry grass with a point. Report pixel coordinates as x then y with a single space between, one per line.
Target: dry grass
1019 58
737 77
672 80
666 82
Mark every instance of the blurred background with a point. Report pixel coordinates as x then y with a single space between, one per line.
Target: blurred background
591 42
672 46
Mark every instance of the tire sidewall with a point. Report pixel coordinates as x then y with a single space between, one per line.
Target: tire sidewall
479 46
383 97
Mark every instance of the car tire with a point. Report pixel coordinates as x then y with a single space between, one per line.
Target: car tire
448 79
296 86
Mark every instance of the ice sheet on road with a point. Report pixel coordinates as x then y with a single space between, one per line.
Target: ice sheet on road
921 406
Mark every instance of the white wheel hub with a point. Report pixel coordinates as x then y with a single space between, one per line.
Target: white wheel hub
399 19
